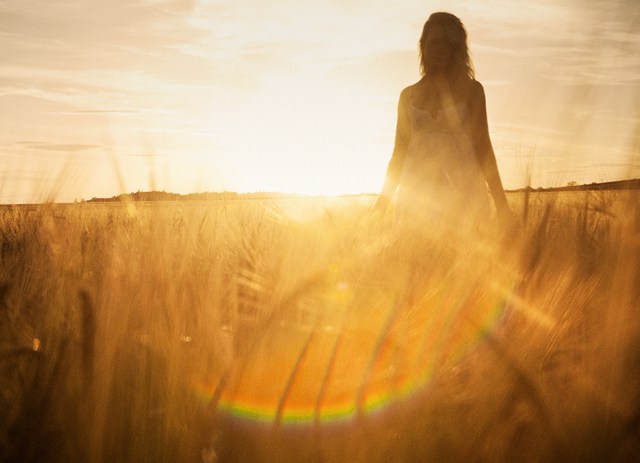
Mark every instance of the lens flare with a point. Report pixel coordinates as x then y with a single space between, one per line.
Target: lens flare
359 348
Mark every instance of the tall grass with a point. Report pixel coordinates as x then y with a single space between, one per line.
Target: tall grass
123 327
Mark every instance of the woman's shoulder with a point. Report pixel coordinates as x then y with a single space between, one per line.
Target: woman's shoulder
475 91
474 96
405 97
405 94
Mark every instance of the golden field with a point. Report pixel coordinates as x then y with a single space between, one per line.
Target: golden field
315 330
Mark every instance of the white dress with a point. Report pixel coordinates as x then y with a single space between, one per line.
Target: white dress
441 180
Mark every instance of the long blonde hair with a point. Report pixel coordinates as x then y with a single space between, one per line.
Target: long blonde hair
457 36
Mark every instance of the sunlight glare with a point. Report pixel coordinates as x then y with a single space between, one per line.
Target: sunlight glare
305 137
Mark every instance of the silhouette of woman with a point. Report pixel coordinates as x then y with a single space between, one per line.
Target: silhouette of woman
443 159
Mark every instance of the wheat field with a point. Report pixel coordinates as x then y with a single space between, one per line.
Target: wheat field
313 330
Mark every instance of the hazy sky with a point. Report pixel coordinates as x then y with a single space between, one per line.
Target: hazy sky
99 97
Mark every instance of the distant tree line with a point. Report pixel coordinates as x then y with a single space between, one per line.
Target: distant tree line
573 186
207 196
231 195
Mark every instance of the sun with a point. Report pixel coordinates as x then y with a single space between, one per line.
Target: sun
307 138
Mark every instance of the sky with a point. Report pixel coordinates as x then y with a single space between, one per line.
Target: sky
103 97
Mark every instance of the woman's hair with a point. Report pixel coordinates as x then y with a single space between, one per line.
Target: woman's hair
457 36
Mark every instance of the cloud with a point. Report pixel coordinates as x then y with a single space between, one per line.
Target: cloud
380 71
104 111
73 47
70 148
95 21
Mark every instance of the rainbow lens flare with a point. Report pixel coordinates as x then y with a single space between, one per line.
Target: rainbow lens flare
362 350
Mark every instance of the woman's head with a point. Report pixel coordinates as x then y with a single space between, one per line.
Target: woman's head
443 47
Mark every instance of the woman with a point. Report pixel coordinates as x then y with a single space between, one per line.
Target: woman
443 159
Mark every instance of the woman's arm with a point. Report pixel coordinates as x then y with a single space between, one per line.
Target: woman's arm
401 143
483 147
